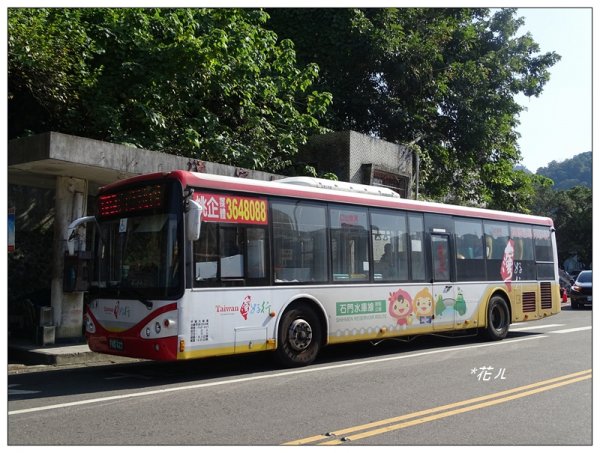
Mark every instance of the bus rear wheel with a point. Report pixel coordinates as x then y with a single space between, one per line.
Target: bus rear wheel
299 338
498 319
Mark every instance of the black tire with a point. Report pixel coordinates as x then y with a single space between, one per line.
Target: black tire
498 319
299 337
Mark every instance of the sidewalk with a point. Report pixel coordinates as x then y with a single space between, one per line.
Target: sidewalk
23 354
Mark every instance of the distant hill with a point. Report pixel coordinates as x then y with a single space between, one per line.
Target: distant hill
576 171
523 168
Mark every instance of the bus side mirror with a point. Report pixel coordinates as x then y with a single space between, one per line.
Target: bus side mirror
193 221
72 235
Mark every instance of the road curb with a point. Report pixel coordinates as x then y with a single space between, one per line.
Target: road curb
23 356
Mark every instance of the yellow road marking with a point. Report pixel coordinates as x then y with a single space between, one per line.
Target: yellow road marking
443 411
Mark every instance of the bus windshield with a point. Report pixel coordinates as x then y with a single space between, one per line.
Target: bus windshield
138 257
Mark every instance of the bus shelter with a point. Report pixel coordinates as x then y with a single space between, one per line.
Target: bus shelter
53 178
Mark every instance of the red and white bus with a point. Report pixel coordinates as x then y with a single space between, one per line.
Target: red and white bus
189 265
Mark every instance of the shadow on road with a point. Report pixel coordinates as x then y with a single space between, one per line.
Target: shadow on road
83 382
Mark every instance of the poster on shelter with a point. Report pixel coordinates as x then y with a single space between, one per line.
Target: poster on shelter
11 230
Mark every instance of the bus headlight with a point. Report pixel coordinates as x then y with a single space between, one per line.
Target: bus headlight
89 324
162 326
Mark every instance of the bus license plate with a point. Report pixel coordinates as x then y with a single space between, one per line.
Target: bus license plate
115 343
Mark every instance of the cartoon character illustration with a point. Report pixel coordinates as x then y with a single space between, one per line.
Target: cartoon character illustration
401 307
460 306
424 306
245 308
506 269
439 305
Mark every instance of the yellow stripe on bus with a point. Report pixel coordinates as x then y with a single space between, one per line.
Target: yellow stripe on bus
225 350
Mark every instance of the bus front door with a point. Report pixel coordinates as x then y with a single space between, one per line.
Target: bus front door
442 287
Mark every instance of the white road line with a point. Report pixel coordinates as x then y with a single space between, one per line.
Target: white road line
268 376
14 391
127 375
576 329
544 326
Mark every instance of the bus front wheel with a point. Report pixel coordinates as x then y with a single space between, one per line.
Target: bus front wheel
498 319
299 338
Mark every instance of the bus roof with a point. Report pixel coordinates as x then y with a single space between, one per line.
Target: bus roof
304 191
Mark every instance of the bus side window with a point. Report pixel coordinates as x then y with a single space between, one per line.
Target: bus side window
415 227
231 257
350 251
496 239
389 245
544 255
525 266
470 264
299 242
206 253
227 254
256 251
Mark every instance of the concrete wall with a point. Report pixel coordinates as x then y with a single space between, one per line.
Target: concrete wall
328 153
349 154
35 161
384 155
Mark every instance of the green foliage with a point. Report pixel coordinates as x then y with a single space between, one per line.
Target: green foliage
571 211
563 192
48 68
212 84
446 76
569 173
220 85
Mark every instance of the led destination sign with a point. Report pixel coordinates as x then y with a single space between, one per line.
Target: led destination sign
132 200
232 209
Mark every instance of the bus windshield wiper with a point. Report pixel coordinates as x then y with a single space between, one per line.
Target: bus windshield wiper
138 295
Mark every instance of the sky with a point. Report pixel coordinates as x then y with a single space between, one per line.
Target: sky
558 124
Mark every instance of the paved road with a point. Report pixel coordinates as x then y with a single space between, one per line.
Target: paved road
535 387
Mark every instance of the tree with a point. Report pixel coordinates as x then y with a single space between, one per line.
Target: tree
211 84
445 77
569 173
571 211
49 54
